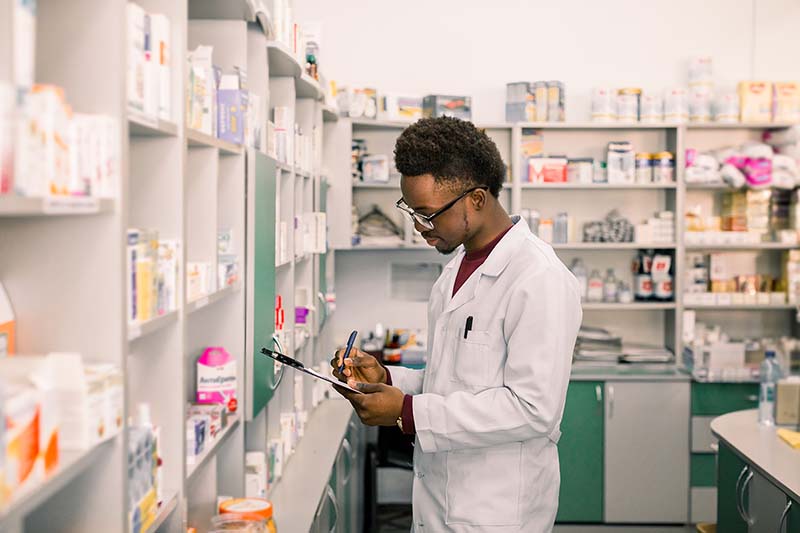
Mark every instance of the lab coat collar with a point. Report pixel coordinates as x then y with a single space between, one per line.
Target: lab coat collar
493 266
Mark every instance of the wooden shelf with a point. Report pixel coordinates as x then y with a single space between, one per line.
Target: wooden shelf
72 463
614 246
600 186
137 331
142 126
282 62
212 446
23 206
744 247
329 114
167 507
308 87
635 306
214 297
199 139
739 126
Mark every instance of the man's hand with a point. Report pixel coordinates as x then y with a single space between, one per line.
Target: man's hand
360 366
380 405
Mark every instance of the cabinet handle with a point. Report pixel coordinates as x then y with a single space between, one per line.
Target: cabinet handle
745 485
332 498
752 398
349 449
324 307
739 479
785 515
598 391
611 401
278 344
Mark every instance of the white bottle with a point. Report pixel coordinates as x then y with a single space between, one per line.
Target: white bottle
579 271
769 376
594 292
610 287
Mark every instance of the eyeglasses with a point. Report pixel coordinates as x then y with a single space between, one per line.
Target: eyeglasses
426 221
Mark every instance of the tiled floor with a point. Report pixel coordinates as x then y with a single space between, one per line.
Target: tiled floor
397 519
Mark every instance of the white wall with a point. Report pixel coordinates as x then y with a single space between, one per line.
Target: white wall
475 47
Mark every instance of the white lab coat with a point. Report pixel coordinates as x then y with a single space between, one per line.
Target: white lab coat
487 408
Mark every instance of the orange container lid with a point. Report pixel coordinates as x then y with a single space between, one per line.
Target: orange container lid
254 508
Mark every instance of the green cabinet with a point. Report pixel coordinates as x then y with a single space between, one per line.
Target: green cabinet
729 469
323 266
715 399
793 520
581 453
261 215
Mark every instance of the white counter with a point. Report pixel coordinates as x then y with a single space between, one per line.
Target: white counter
761 447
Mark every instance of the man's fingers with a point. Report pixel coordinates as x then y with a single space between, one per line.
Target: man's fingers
367 388
360 361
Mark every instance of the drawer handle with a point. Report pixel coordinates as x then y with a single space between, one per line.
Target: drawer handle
714 447
752 398
785 515
746 488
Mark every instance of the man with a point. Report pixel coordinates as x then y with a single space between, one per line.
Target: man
502 322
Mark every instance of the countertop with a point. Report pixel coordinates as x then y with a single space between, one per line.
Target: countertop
761 447
628 372
296 496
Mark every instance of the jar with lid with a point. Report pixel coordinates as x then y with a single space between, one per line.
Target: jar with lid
644 167
663 167
628 102
243 513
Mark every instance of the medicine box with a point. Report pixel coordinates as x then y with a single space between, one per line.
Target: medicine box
755 101
437 105
400 108
787 405
232 109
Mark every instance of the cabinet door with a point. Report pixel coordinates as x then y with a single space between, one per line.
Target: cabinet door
646 452
580 454
343 484
261 212
729 470
793 518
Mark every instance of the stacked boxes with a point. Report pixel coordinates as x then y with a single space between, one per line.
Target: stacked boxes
152 275
541 101
437 105
746 211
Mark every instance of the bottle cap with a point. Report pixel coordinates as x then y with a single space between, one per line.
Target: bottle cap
769 354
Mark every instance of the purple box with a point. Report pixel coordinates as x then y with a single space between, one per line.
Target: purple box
300 315
231 110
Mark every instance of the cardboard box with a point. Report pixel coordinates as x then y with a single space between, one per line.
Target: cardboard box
787 402
437 105
755 101
786 102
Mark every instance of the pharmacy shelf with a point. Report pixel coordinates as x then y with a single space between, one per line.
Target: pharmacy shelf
284 167
741 307
142 126
200 303
600 186
366 185
284 264
744 247
23 206
282 62
709 186
200 139
249 10
614 246
634 306
370 248
211 447
137 331
302 173
164 512
71 464
330 113
368 123
598 125
308 87
739 126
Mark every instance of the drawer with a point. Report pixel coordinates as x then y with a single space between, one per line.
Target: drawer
703 470
702 438
704 504
714 399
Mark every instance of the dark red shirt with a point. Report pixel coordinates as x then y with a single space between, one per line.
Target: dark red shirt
470 263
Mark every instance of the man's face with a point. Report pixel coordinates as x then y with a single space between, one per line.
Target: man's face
425 196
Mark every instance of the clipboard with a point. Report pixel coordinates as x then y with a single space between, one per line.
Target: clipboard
297 365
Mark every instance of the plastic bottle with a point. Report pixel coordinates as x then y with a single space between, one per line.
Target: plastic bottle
594 291
610 286
579 271
769 375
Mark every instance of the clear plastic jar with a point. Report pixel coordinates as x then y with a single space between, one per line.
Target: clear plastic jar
236 523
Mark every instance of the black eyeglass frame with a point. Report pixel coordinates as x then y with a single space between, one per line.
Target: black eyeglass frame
426 221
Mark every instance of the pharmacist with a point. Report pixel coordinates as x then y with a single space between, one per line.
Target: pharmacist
502 322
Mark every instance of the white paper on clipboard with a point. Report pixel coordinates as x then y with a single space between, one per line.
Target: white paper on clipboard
297 365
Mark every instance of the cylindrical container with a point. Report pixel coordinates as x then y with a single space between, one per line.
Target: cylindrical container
628 101
561 229
580 170
555 101
257 510
699 104
604 108
676 106
644 167
726 108
663 167
652 110
546 230
540 94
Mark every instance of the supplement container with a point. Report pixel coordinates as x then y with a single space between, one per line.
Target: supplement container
676 106
663 167
604 107
628 101
257 510
652 108
644 168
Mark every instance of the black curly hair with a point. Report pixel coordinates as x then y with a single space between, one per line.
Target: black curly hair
453 151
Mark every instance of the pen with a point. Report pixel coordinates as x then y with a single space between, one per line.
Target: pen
468 326
349 347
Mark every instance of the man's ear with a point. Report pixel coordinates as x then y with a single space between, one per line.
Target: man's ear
479 199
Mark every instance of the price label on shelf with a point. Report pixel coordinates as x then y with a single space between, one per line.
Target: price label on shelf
70 205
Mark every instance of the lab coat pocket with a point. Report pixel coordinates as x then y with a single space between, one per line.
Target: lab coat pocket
471 361
483 486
